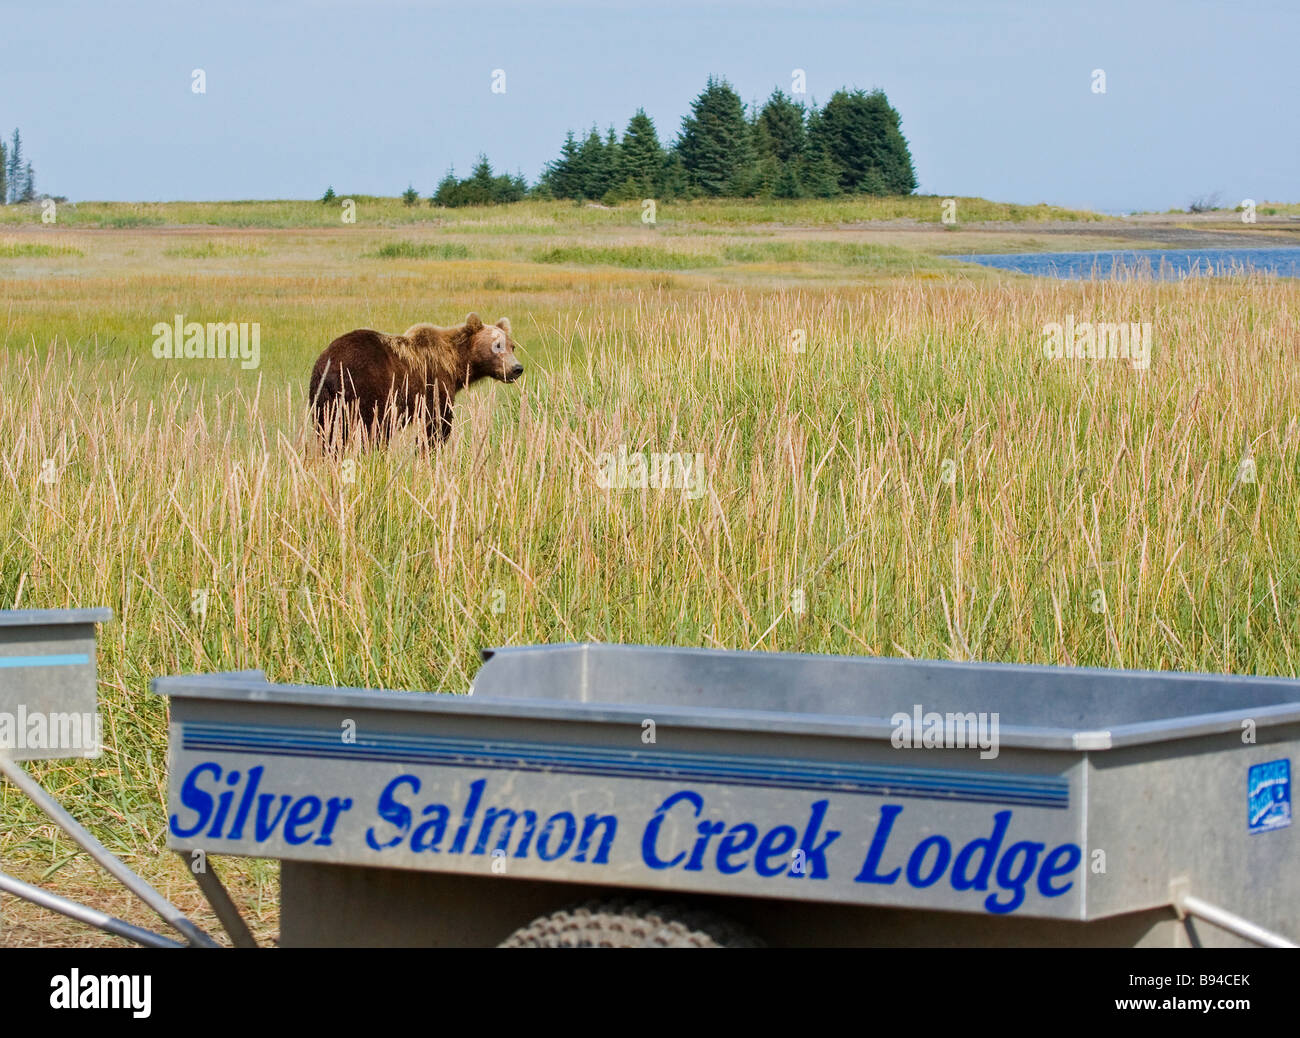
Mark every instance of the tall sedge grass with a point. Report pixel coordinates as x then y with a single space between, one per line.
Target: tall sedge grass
828 472
530 215
11 249
215 250
420 250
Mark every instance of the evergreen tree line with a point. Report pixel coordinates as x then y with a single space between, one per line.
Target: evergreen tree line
481 187
17 179
782 149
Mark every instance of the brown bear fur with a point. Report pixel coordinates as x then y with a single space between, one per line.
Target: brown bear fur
385 381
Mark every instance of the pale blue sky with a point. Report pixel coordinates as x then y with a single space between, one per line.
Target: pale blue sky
995 97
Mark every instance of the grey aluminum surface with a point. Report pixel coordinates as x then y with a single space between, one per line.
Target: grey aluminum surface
708 771
48 701
44 617
1040 706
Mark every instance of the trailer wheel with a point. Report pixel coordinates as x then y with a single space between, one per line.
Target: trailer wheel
624 923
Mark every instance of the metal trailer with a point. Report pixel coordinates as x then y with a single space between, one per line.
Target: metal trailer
794 799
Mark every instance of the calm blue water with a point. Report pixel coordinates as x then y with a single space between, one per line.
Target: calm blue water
1167 264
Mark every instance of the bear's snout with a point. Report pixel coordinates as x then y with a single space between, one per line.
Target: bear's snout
514 372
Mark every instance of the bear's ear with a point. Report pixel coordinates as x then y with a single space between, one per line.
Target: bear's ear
504 325
473 322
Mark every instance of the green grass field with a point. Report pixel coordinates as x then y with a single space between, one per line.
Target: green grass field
894 466
523 217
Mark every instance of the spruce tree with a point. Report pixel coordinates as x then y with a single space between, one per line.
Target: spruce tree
614 188
819 177
481 174
478 189
781 131
779 140
860 132
14 169
594 173
641 157
561 176
507 188
445 192
787 183
29 185
893 158
714 144
4 173
676 181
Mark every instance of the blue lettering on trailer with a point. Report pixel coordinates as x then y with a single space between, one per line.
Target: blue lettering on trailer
738 839
292 817
683 833
1011 880
559 833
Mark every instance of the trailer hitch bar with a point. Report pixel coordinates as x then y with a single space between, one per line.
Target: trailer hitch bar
1185 904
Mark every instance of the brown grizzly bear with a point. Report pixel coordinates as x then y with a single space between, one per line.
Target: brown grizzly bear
385 381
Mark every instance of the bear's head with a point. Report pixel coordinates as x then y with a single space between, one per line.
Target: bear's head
491 350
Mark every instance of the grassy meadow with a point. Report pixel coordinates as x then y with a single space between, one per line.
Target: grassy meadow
893 465
528 216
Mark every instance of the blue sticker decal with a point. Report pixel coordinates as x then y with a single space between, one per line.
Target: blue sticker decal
1268 792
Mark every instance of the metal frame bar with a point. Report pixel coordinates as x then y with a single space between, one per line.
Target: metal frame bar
84 913
1186 904
170 914
227 913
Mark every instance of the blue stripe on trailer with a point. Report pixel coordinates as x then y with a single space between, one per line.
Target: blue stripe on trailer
68 659
328 745
275 741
